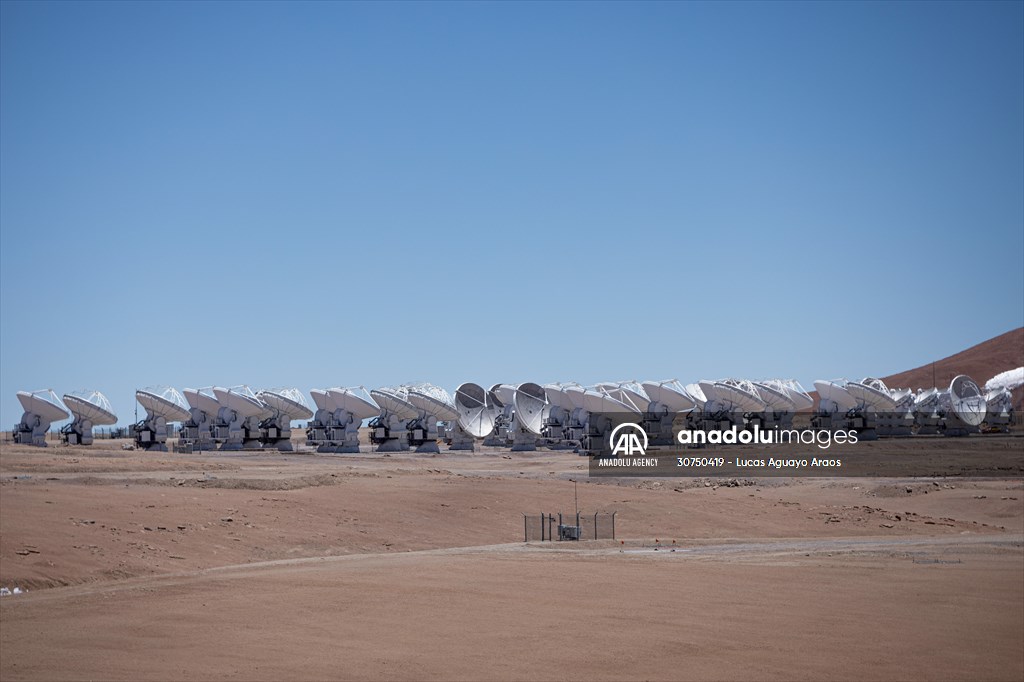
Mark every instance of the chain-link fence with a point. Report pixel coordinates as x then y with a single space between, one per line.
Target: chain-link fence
574 526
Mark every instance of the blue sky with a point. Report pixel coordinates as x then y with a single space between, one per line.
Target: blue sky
338 194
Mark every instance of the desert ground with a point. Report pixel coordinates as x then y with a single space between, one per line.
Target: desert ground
265 565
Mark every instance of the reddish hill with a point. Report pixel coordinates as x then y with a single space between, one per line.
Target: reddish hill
980 362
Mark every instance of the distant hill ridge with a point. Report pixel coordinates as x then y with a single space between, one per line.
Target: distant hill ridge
980 362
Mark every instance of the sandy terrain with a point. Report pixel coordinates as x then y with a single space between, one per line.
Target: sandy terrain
270 566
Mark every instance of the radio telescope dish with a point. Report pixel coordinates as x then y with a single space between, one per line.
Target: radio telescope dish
163 402
163 405
697 394
999 400
594 401
320 398
530 400
929 398
90 406
998 408
557 396
492 393
241 400
777 399
795 391
356 401
433 405
287 402
285 405
237 425
732 395
660 405
202 399
557 423
780 405
516 423
41 408
904 397
627 392
596 416
476 414
710 394
900 421
575 395
499 435
751 397
871 393
204 409
339 415
967 400
669 393
44 403
506 394
397 426
394 401
835 392
927 410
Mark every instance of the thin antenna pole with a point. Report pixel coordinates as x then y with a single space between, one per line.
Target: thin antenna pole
575 497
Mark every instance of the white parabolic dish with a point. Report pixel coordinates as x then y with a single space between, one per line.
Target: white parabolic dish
872 397
506 393
393 401
529 401
242 401
433 406
596 402
557 396
742 393
201 399
356 401
91 405
795 391
287 401
710 394
45 403
731 397
930 399
778 400
575 395
163 404
669 393
968 402
629 393
492 396
320 399
476 416
697 394
832 390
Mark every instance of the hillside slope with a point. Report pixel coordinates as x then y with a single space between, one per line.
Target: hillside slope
980 362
